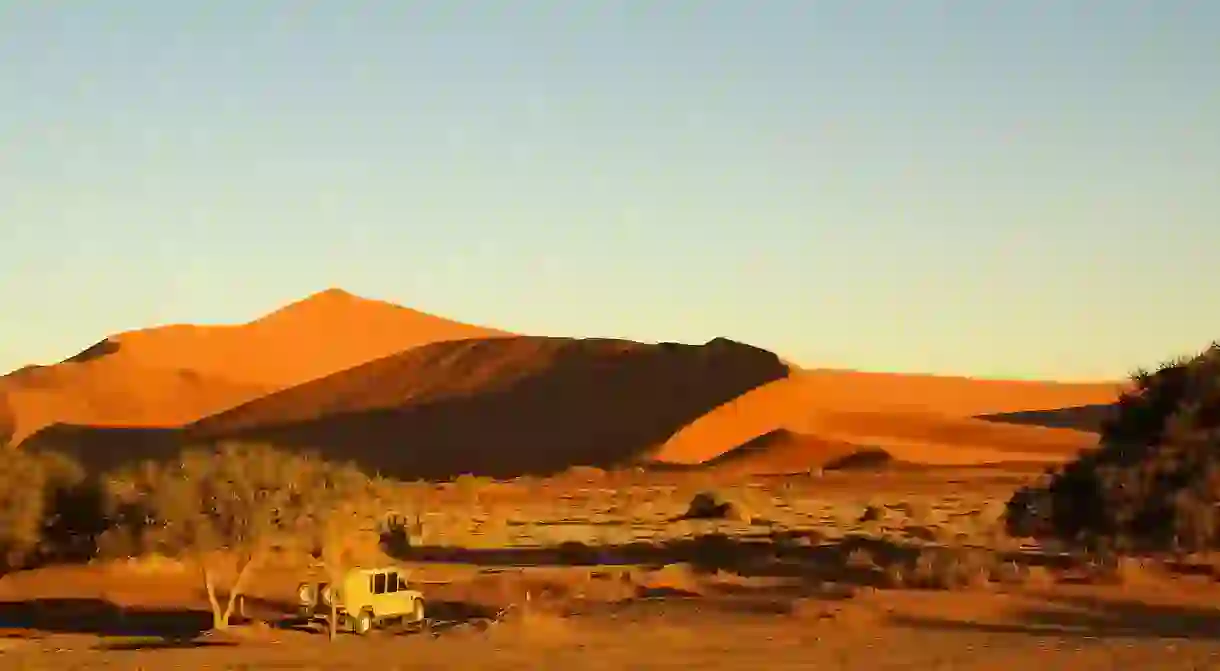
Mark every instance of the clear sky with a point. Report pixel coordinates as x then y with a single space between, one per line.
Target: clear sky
1025 188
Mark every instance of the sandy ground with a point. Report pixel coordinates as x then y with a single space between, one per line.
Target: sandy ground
649 610
651 640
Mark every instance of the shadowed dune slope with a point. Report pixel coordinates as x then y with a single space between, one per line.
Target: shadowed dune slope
172 375
103 448
8 421
1081 417
503 407
922 419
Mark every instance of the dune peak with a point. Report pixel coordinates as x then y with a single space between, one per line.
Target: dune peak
102 348
332 293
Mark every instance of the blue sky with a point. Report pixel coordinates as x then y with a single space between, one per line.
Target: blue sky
1024 189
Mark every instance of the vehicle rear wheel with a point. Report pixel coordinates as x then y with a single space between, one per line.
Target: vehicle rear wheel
417 611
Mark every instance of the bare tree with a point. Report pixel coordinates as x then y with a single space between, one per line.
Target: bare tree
334 549
238 499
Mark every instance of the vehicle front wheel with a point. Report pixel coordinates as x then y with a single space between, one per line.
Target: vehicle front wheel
363 623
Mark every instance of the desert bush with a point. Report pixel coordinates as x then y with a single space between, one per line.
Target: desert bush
1107 568
34 493
241 499
860 558
951 568
1154 481
710 505
871 513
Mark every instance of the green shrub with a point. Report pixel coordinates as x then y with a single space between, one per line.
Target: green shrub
1154 481
33 489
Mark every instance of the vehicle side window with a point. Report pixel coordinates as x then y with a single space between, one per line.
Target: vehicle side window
391 582
402 584
379 583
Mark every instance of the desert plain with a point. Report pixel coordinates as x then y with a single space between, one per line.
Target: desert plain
550 484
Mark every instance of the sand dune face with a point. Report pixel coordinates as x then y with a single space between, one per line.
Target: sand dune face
504 407
116 396
916 418
944 395
172 375
316 336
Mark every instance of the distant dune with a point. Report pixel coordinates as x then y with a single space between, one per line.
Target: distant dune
504 407
779 452
917 418
414 395
315 336
946 395
172 375
126 395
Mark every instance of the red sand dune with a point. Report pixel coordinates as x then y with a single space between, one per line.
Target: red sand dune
505 406
779 452
946 395
415 395
115 396
172 375
919 418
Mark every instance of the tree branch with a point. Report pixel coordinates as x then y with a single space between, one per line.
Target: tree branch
243 572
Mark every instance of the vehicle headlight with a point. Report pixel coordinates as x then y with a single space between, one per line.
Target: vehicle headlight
306 593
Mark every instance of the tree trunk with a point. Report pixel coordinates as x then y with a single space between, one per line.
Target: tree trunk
243 572
334 574
219 621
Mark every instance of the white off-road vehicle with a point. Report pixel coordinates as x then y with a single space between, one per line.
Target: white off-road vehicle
364 598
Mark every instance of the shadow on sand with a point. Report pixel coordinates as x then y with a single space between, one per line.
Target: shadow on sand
1090 617
812 565
157 628
788 555
1080 418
